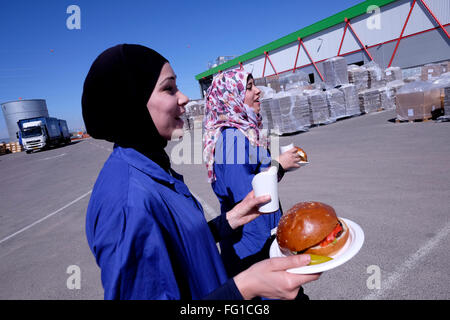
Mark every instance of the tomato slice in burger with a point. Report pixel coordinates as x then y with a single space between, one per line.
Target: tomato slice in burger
332 236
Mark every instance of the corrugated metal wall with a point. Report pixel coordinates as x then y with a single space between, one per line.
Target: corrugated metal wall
417 50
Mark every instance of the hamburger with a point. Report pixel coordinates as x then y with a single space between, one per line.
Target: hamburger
302 154
311 227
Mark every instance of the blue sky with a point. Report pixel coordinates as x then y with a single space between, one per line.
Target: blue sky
40 58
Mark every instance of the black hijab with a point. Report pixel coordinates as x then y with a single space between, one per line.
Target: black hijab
115 96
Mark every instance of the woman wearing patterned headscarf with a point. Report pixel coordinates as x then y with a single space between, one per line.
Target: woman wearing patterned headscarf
236 148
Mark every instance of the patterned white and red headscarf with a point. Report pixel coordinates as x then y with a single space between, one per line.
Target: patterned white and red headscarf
224 107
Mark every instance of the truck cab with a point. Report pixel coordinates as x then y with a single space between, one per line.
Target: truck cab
33 135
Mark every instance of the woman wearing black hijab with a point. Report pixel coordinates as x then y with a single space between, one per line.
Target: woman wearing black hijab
145 229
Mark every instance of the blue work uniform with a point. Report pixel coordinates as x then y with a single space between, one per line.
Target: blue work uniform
149 235
236 163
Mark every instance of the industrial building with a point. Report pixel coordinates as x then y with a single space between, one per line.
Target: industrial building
401 33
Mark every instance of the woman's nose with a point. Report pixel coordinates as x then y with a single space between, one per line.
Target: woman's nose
182 98
182 101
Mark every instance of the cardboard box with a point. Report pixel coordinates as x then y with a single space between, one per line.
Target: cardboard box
418 105
431 71
445 66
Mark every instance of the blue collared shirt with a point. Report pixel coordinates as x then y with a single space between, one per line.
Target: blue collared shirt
148 233
236 163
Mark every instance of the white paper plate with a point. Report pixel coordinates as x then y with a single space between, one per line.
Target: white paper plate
301 163
349 250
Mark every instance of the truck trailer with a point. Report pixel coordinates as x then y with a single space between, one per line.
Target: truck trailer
42 132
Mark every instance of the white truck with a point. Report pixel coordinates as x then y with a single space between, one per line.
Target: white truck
42 132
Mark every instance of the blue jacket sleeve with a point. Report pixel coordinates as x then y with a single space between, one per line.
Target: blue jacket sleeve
220 228
228 291
134 264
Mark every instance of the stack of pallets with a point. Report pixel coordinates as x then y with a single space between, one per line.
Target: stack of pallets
351 100
335 71
369 100
358 76
447 101
336 103
10 147
320 113
2 148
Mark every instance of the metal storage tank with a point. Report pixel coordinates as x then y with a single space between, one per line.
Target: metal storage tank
14 111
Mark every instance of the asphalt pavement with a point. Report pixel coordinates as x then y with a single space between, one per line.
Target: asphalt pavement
392 179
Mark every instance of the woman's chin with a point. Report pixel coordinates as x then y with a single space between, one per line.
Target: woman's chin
257 107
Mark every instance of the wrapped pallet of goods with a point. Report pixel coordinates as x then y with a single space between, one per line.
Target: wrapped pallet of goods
285 112
369 100
336 104
391 91
295 112
387 100
281 108
266 113
445 66
266 92
393 74
302 112
351 100
335 71
266 104
432 70
375 75
447 101
294 81
260 82
193 116
411 79
318 106
443 83
299 86
195 108
358 76
276 115
287 119
417 101
274 83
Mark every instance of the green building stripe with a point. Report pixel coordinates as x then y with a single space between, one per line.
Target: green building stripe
326 23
